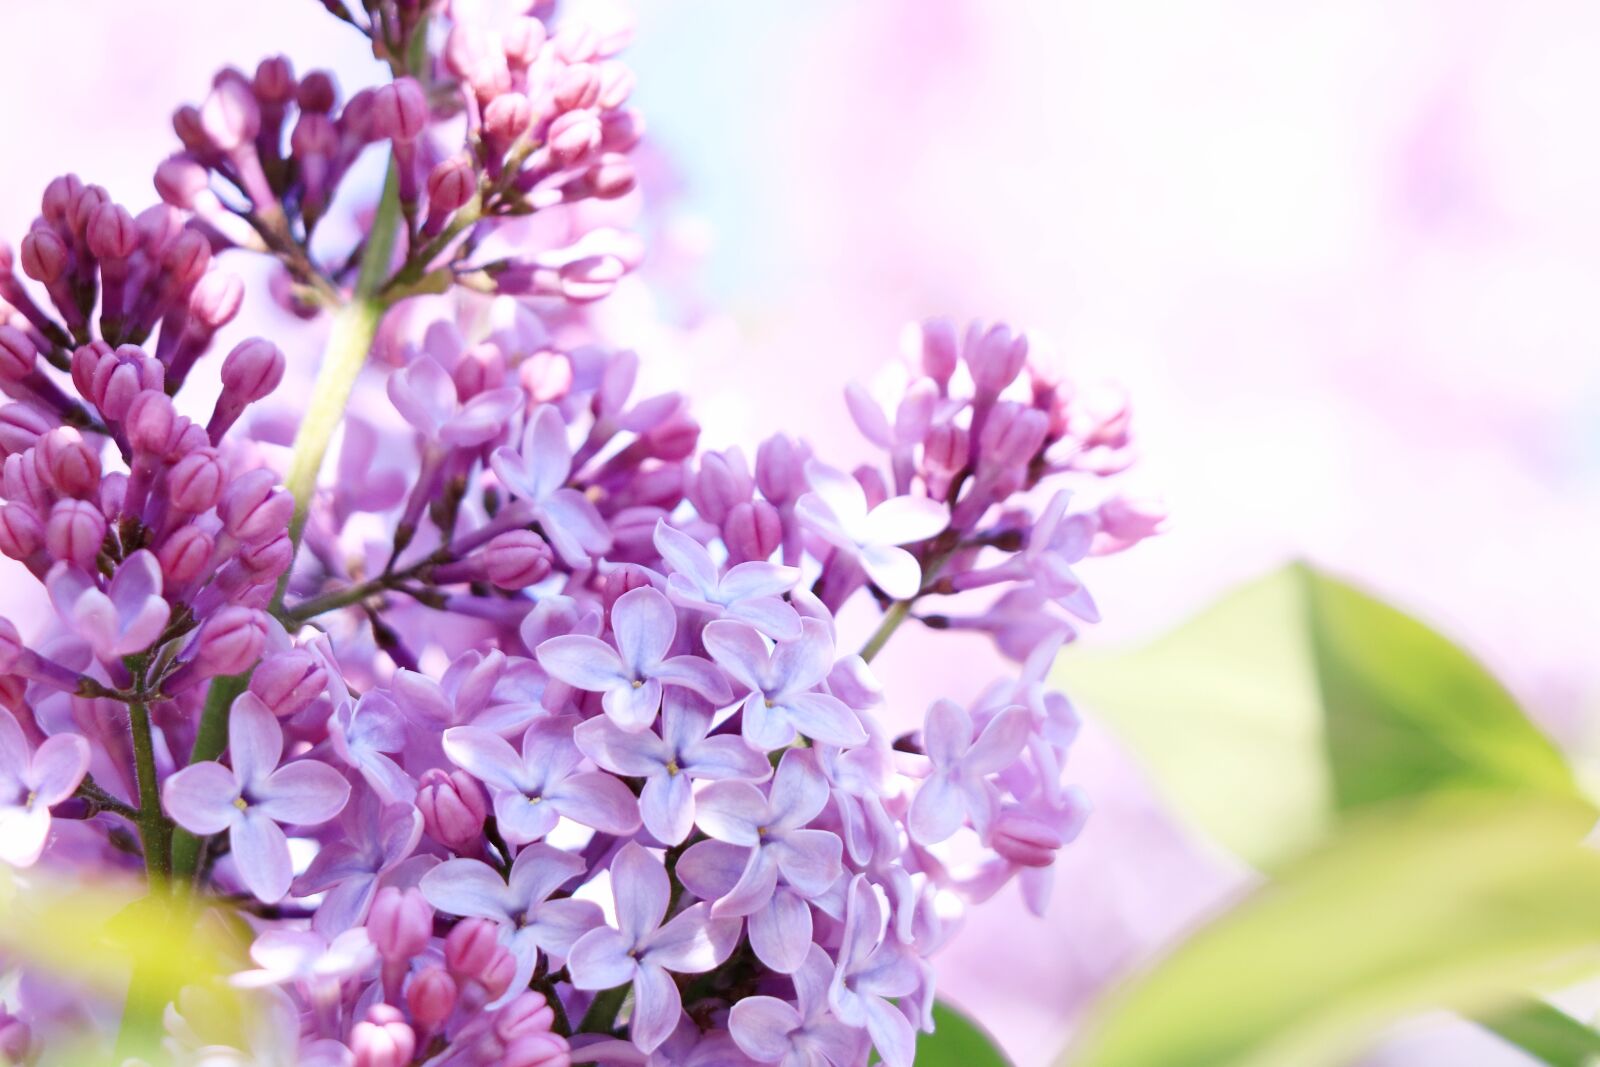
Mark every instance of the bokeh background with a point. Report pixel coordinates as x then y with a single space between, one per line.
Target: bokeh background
1343 256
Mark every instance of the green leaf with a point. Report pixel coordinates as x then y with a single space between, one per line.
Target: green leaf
1297 701
1545 1032
957 1041
1459 902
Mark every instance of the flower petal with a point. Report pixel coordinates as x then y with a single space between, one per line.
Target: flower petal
761 1027
824 718
642 890
894 570
780 933
644 623
583 662
57 768
303 793
656 1008
487 757
200 798
731 812
636 754
467 887
255 740
667 805
1000 743
600 960
261 855
738 650
903 520
598 801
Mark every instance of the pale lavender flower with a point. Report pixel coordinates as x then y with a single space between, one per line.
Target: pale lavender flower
374 839
308 958
958 786
802 1034
126 618
643 950
836 509
671 762
537 473
632 674
536 788
364 733
31 782
749 592
873 970
254 796
1057 541
530 922
780 928
426 396
781 681
775 828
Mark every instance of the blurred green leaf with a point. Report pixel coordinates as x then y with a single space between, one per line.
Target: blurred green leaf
957 1041
1298 700
1546 1033
1458 902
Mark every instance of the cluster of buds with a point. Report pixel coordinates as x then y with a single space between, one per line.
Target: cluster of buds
534 736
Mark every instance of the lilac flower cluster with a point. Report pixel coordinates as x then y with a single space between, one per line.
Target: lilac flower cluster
533 736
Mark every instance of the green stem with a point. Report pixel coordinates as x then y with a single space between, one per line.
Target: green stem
209 741
601 1018
154 829
900 610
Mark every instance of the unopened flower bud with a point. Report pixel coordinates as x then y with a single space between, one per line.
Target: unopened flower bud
318 93
450 185
1012 436
528 1015
577 86
253 369
383 1039
753 531
112 233
517 559
271 557
780 469
548 1049
195 482
44 256
254 509
399 111
720 484
21 532
151 421
230 641
70 465
59 196
18 354
472 950
75 532
288 682
274 80
431 997
400 923
21 426
507 118
184 556
573 135
453 808
216 299
995 357
945 449
230 116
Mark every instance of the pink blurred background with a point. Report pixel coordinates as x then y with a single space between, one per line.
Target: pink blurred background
1343 256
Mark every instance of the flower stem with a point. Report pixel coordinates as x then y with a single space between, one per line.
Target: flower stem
155 831
897 613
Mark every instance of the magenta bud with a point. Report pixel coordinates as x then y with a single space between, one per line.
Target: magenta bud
274 81
289 682
620 131
75 532
945 448
21 532
314 134
675 438
383 1039
112 233
254 509
1025 839
230 641
18 354
89 200
190 130
186 258
548 1049
507 118
44 255
399 110
1012 436
517 559
524 38
577 86
195 482
230 116
431 997
159 225
216 299
780 469
527 1015
184 556
453 808
720 484
451 185
612 177
269 558
70 465
253 369
318 93
21 426
995 357
151 422
400 923
59 196
472 950
753 530
573 135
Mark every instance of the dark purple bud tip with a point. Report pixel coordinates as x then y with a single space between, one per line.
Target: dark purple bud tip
318 93
274 82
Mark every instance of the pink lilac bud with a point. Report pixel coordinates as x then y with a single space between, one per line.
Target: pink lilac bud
270 557
577 86
450 185
195 482
21 426
76 531
18 354
1012 436
995 357
383 1039
431 997
274 81
216 299
753 531
59 196
400 923
399 110
185 260
621 131
453 808
159 226
230 115
546 376
1025 839
190 129
318 93
44 256
472 949
230 641
720 484
152 422
780 469
524 39
184 556
945 449
89 200
289 682
611 178
21 532
254 509
573 135
505 119
69 463
517 559
112 233
548 1049
253 369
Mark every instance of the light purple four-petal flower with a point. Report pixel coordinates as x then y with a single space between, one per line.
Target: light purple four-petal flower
836 509
123 619
537 472
958 786
750 592
781 682
30 784
803 1034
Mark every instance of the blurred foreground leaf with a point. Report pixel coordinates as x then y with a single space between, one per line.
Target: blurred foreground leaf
1546 1033
957 1041
1458 903
1298 700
